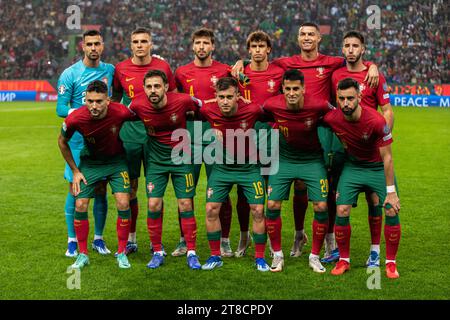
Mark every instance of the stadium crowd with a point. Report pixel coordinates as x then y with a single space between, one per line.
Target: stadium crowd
410 47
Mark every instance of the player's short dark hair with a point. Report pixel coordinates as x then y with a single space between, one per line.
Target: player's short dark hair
225 83
156 73
348 83
139 30
309 24
294 75
97 86
203 32
91 33
258 36
354 34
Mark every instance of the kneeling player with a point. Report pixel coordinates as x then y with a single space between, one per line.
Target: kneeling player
369 166
230 119
103 157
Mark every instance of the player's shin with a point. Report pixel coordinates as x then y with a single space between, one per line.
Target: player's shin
134 206
123 229
225 218
273 227
320 228
300 205
392 234
81 224
100 213
214 242
154 227
69 212
375 224
342 230
189 227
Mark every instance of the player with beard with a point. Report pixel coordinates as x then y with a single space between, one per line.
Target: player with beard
367 140
72 86
353 49
199 78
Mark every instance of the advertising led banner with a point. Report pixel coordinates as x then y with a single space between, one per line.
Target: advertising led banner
404 100
9 96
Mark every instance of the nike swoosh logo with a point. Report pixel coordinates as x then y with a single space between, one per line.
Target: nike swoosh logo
189 80
147 120
129 79
258 197
189 190
217 124
279 120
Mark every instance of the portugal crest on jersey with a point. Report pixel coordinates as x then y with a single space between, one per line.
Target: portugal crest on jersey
309 122
150 187
174 117
114 130
365 136
269 190
209 193
362 87
271 85
244 124
320 71
214 80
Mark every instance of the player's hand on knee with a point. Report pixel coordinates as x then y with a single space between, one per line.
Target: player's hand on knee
393 200
77 178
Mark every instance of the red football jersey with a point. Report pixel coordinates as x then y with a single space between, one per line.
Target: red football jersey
363 138
225 127
130 77
101 136
160 123
371 97
200 81
299 128
317 72
263 84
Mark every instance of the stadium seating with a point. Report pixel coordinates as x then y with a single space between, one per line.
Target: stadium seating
411 46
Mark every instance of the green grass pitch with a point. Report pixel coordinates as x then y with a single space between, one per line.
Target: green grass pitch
33 229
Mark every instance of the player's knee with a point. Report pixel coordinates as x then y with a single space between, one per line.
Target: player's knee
123 204
273 205
81 205
154 205
257 212
185 204
343 210
320 206
212 211
390 212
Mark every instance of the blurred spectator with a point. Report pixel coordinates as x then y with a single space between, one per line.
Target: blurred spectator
410 47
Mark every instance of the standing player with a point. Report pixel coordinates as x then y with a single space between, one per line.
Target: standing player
162 114
231 119
367 140
297 115
317 69
72 86
265 83
102 157
353 49
128 79
199 78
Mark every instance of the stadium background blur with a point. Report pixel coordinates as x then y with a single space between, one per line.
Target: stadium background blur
410 48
